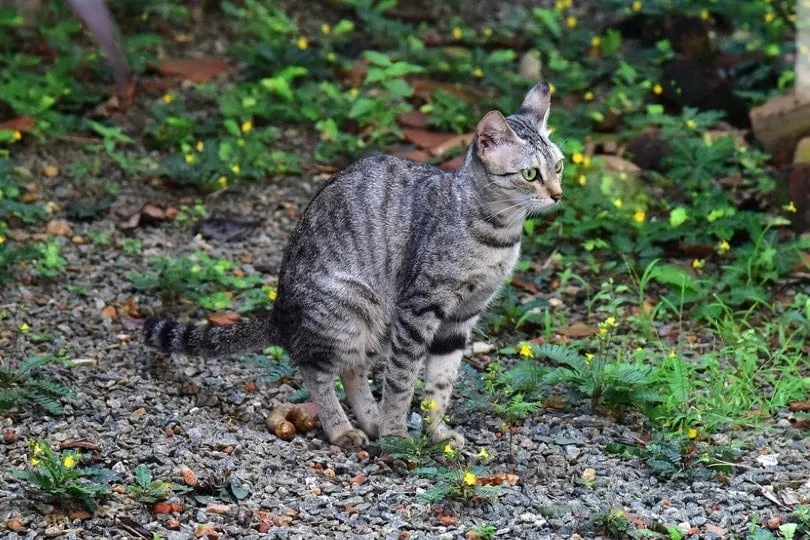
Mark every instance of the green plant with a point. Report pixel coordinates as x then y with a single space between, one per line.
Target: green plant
50 262
413 450
26 386
147 490
61 478
484 531
455 482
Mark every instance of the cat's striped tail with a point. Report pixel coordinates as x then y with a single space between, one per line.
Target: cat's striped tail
208 340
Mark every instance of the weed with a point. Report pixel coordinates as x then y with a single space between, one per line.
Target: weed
26 386
61 477
483 531
150 491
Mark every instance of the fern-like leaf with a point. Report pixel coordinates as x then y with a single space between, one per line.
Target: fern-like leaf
562 355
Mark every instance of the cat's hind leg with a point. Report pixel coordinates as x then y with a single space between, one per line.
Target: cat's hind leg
359 396
321 386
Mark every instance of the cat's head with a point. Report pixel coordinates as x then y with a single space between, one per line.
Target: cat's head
517 155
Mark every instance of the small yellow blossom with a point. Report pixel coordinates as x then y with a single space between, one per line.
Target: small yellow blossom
693 433
697 264
247 126
611 322
639 216
617 203
34 462
469 478
559 5
38 449
552 88
769 17
354 92
636 6
723 247
658 90
525 350
691 124
272 294
582 180
456 33
790 207
222 182
449 451
326 29
190 158
428 405
704 14
235 168
24 328
603 331
17 135
477 72
2 238
596 41
578 158
302 43
571 21
487 31
568 3
200 146
588 96
69 461
588 357
482 454
672 354
168 98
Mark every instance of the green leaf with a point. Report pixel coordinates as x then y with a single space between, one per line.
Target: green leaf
678 216
143 476
377 58
361 106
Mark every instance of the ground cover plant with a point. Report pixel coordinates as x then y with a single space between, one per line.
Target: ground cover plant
645 372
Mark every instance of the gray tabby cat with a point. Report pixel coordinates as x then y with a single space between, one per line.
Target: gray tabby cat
393 261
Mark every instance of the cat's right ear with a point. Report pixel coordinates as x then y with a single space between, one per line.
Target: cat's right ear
492 132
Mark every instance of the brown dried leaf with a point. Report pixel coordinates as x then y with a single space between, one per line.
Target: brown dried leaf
109 312
59 227
21 123
579 330
524 285
226 318
452 165
413 119
800 406
416 155
50 170
454 142
497 479
193 69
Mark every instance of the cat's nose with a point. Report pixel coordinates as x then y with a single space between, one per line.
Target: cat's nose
556 195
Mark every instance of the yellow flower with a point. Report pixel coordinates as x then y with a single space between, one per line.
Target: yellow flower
272 294
596 41
617 203
691 124
24 328
354 92
469 478
482 454
17 135
449 451
571 21
190 158
611 322
658 90
769 17
723 247
552 88
456 33
428 405
477 72
302 43
586 161
69 461
790 207
2 238
693 433
222 181
235 168
588 357
636 6
577 158
588 96
525 350
487 31
568 3
639 216
603 331
704 14
200 146
247 126
326 29
37 449
34 462
672 354
582 180
168 98
559 5
697 264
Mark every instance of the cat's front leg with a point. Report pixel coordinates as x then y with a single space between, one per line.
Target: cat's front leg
444 357
411 333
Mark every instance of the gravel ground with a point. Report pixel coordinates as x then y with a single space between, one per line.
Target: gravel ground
168 413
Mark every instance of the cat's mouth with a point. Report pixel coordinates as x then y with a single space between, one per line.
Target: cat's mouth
542 207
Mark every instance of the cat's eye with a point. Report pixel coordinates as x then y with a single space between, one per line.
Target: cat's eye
529 174
558 167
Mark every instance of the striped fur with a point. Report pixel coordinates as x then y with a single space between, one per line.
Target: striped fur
392 262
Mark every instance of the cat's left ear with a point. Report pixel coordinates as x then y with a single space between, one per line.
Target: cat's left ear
537 104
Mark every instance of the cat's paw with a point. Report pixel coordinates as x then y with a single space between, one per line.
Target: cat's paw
352 438
450 436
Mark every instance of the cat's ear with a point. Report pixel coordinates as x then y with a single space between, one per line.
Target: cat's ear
492 132
537 103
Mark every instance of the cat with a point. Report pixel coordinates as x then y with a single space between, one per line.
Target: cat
393 261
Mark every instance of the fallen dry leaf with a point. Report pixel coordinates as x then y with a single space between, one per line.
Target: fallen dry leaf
226 318
415 155
21 123
80 514
461 141
9 436
50 170
524 285
800 406
714 529
193 69
427 140
108 311
205 530
358 480
448 520
58 227
452 165
14 524
497 479
413 119
216 508
579 330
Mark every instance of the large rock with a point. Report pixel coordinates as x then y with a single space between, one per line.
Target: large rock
780 123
